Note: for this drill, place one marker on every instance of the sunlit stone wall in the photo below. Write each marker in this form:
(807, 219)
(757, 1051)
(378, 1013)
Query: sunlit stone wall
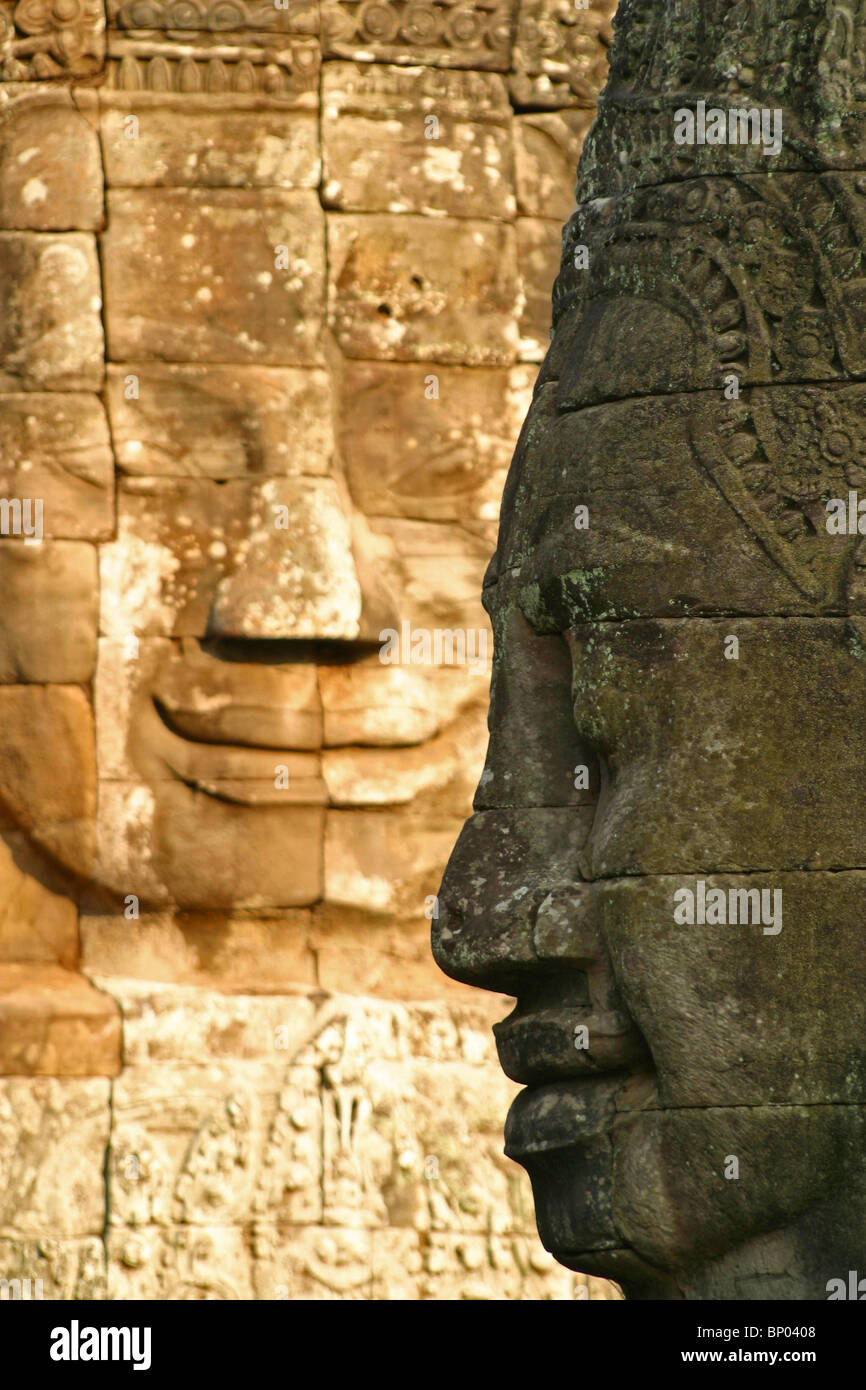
(276, 283)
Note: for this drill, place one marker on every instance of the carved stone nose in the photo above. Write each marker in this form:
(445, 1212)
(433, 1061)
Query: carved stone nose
(498, 906)
(302, 572)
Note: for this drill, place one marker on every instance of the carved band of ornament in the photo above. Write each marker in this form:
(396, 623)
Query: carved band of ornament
(144, 68)
(484, 24)
(215, 16)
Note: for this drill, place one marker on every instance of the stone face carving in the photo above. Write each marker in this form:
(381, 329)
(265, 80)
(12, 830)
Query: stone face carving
(665, 865)
(271, 326)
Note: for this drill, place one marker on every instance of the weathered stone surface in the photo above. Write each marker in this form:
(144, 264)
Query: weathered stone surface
(369, 865)
(56, 449)
(202, 16)
(38, 920)
(394, 295)
(54, 1023)
(539, 246)
(739, 523)
(152, 1263)
(53, 1138)
(457, 430)
(434, 568)
(51, 336)
(50, 168)
(52, 798)
(216, 286)
(718, 730)
(268, 1139)
(547, 146)
(198, 844)
(768, 1143)
(261, 954)
(416, 140)
(48, 596)
(207, 142)
(219, 422)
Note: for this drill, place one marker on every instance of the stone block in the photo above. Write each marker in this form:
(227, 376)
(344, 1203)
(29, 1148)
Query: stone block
(273, 559)
(54, 1023)
(51, 336)
(372, 862)
(547, 146)
(50, 167)
(265, 954)
(207, 141)
(58, 1270)
(155, 1264)
(193, 846)
(560, 53)
(416, 140)
(38, 917)
(539, 247)
(457, 428)
(55, 449)
(469, 37)
(49, 600)
(395, 293)
(225, 275)
(47, 769)
(219, 422)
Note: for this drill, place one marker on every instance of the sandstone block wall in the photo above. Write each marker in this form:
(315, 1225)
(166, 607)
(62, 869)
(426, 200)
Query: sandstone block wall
(260, 262)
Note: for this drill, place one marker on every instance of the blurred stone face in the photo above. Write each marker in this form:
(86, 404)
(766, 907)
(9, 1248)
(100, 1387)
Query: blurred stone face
(264, 573)
(665, 861)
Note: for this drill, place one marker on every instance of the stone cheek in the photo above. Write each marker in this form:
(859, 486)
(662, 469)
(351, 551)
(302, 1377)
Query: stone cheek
(236, 269)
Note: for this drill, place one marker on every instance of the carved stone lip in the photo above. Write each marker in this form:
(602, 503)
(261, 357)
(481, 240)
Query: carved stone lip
(539, 1048)
(559, 1115)
(252, 726)
(238, 773)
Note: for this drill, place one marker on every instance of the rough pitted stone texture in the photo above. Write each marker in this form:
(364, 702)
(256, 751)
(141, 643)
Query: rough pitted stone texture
(667, 870)
(202, 745)
(206, 142)
(416, 140)
(398, 294)
(51, 338)
(219, 422)
(194, 274)
(50, 168)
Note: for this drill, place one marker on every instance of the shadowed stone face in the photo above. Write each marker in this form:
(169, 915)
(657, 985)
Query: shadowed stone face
(666, 861)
